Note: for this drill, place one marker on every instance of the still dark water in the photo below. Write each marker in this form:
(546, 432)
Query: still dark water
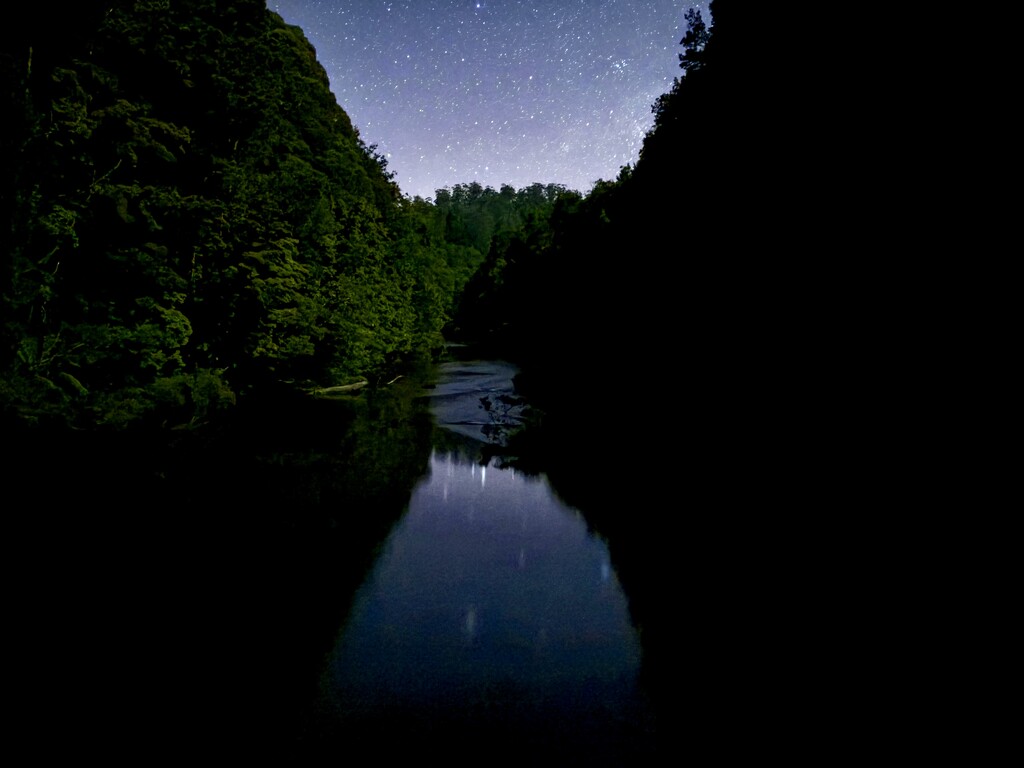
(327, 583)
(493, 618)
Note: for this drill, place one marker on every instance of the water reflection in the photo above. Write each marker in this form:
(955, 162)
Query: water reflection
(490, 607)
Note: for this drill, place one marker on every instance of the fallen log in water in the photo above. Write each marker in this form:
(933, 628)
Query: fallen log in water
(338, 390)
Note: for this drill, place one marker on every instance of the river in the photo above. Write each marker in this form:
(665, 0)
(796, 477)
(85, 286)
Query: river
(493, 619)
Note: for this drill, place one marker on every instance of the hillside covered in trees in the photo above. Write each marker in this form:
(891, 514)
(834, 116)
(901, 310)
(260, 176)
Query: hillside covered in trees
(191, 218)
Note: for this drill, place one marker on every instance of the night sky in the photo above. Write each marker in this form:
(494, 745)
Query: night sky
(497, 91)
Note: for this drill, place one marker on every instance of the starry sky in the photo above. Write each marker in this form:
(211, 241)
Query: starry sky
(497, 91)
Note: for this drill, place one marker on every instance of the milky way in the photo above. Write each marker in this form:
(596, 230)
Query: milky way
(497, 91)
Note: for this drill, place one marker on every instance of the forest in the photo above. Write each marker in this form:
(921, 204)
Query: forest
(190, 220)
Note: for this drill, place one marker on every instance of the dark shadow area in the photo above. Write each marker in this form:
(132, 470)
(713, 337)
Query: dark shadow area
(178, 596)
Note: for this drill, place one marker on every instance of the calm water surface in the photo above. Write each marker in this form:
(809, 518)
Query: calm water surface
(492, 611)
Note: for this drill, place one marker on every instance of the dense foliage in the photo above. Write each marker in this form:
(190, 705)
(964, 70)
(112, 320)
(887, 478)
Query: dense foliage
(190, 215)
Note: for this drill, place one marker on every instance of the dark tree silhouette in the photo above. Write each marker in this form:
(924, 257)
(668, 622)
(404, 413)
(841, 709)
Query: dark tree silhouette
(694, 41)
